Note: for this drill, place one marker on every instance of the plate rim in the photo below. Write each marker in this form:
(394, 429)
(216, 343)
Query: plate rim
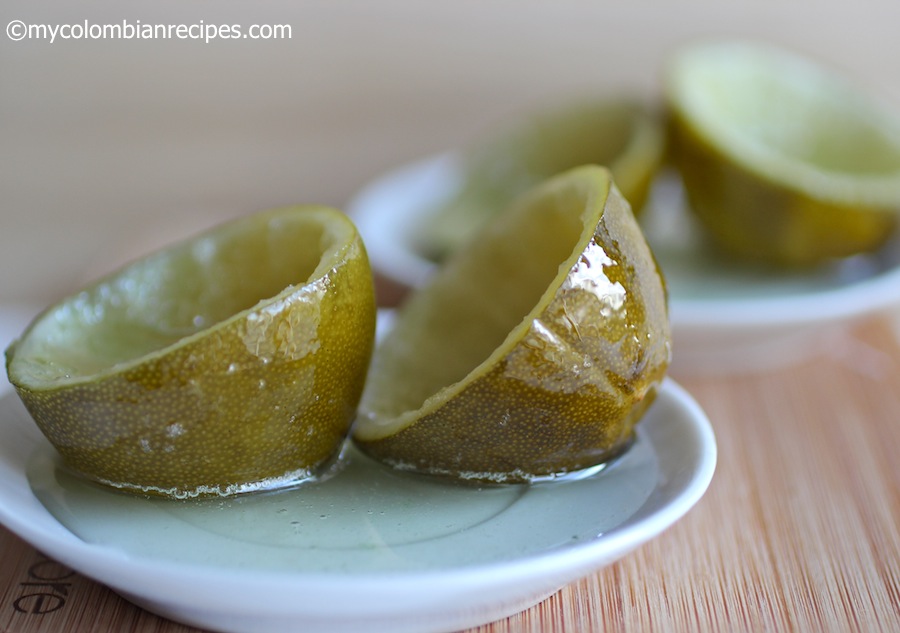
(880, 292)
(117, 569)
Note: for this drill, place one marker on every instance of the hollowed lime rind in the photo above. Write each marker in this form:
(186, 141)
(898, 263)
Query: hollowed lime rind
(783, 160)
(442, 297)
(127, 298)
(251, 392)
(789, 119)
(624, 134)
(521, 395)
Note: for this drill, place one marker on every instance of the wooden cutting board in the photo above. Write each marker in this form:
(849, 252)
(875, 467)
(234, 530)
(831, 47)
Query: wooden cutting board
(798, 531)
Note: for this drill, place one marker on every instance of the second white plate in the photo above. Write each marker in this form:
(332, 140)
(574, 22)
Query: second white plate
(723, 317)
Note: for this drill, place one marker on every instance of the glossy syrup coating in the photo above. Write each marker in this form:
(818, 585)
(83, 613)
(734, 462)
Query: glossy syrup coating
(262, 398)
(573, 371)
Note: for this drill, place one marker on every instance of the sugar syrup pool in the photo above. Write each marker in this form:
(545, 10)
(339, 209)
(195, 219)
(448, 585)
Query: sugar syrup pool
(366, 518)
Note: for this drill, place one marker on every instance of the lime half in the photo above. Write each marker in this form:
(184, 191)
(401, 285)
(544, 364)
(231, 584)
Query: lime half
(784, 161)
(622, 134)
(532, 352)
(231, 362)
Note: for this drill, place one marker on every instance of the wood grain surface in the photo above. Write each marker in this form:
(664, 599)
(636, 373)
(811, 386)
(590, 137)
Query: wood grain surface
(798, 531)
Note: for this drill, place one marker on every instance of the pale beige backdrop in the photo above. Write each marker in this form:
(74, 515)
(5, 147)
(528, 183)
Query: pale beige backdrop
(110, 148)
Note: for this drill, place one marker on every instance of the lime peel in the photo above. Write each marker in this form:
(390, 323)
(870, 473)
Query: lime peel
(230, 362)
(623, 134)
(784, 161)
(743, 75)
(509, 365)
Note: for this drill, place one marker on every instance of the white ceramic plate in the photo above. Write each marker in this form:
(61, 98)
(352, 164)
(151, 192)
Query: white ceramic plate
(723, 317)
(369, 549)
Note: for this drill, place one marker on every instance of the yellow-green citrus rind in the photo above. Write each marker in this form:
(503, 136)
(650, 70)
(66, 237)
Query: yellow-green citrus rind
(228, 363)
(532, 352)
(784, 162)
(623, 134)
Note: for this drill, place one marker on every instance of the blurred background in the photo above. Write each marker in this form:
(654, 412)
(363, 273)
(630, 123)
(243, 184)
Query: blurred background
(111, 148)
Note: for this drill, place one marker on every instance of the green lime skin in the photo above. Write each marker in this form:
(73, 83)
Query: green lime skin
(229, 363)
(748, 217)
(534, 351)
(621, 133)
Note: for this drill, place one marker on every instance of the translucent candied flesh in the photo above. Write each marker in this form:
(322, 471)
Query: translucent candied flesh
(171, 295)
